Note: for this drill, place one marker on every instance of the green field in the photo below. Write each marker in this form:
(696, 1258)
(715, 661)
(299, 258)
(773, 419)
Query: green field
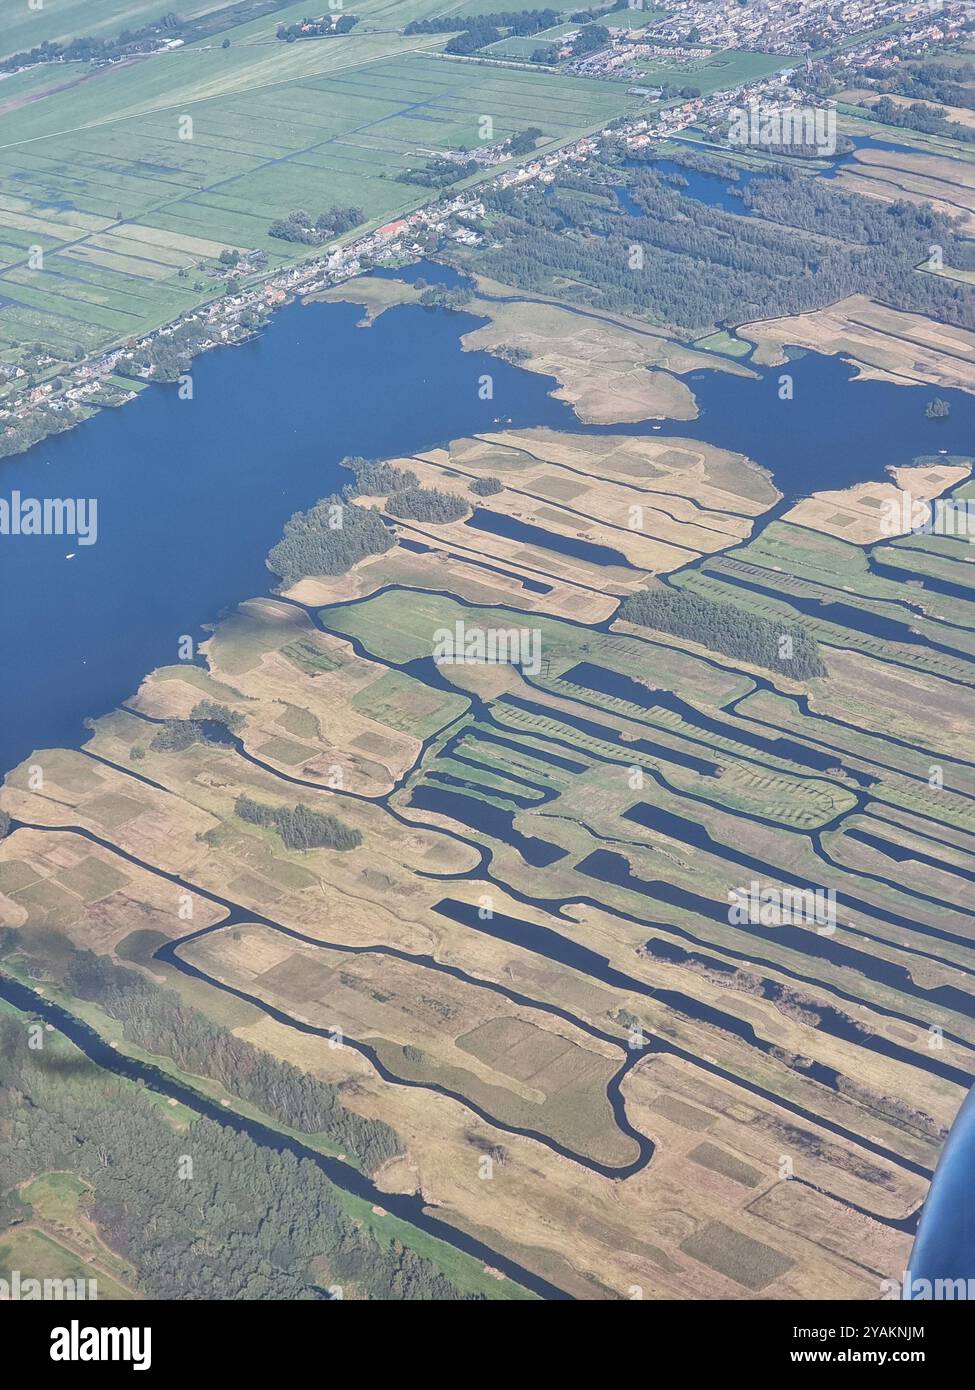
(635, 17)
(725, 343)
(57, 20)
(722, 70)
(131, 216)
(131, 179)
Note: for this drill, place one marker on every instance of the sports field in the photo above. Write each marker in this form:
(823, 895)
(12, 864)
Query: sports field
(728, 69)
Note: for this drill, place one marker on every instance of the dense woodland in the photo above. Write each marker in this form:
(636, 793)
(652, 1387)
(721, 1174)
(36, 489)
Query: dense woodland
(299, 826)
(722, 627)
(374, 479)
(692, 267)
(427, 504)
(487, 487)
(328, 539)
(947, 84)
(159, 1021)
(250, 1223)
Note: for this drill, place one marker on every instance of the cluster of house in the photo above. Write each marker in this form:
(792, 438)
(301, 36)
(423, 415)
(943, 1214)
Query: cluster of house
(230, 319)
(779, 26)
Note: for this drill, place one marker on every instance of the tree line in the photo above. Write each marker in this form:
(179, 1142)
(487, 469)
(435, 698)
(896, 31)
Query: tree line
(519, 22)
(251, 1222)
(299, 826)
(427, 504)
(725, 628)
(88, 49)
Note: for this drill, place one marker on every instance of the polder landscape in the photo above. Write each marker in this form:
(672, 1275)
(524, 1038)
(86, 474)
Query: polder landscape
(492, 817)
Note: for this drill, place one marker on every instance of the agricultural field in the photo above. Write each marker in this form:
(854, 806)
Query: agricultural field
(130, 180)
(58, 1240)
(26, 26)
(528, 952)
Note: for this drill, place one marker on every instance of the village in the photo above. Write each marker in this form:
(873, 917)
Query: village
(37, 409)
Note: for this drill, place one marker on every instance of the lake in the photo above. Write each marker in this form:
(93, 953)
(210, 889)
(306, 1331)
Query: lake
(192, 494)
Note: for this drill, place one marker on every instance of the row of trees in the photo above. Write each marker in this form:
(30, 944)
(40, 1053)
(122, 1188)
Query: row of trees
(160, 1021)
(723, 627)
(587, 16)
(299, 826)
(301, 227)
(250, 1223)
(427, 504)
(518, 22)
(87, 49)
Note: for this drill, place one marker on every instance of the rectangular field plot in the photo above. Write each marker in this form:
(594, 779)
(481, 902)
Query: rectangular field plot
(125, 210)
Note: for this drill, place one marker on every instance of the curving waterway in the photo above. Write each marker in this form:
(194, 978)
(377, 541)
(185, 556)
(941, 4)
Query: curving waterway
(191, 496)
(344, 1175)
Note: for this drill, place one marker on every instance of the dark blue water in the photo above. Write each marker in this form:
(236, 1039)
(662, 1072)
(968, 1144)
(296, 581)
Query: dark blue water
(501, 524)
(719, 191)
(714, 189)
(489, 819)
(831, 431)
(431, 271)
(192, 494)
